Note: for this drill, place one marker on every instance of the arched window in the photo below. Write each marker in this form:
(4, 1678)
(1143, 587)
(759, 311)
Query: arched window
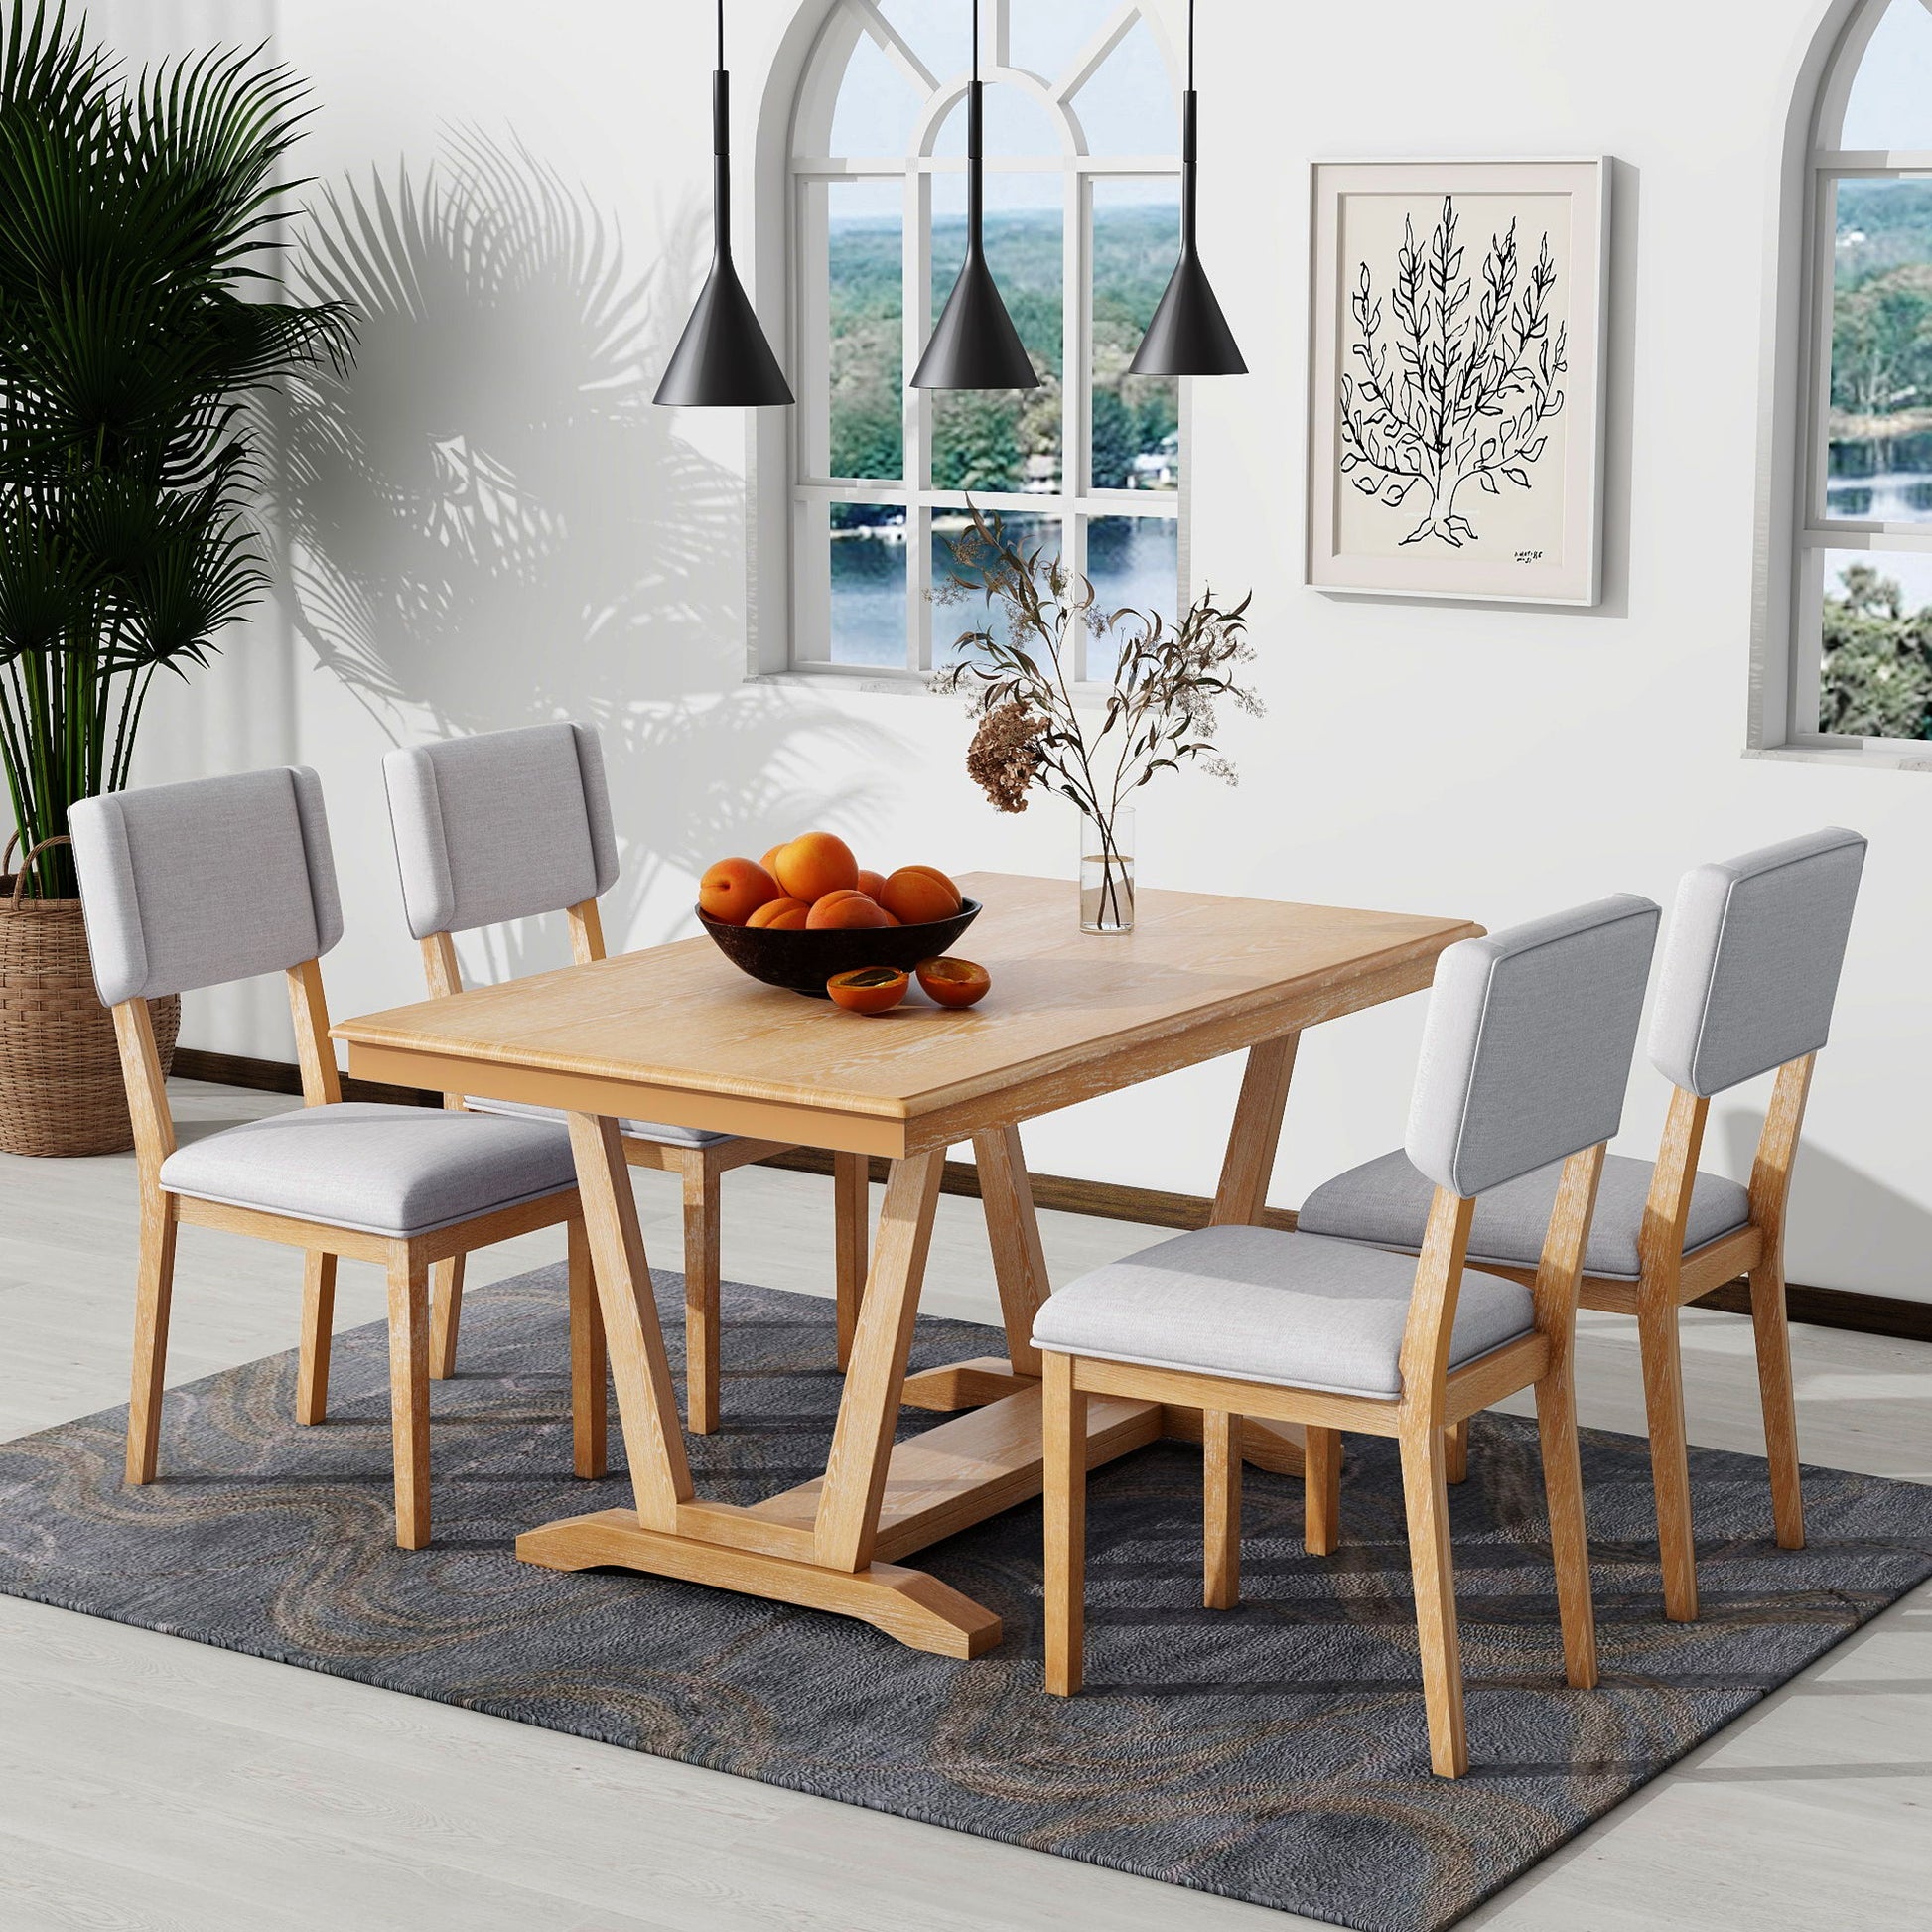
(1861, 597)
(1083, 227)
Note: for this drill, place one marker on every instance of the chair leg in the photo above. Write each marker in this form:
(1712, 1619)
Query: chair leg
(318, 1333)
(1670, 1463)
(588, 1372)
(1455, 1451)
(154, 1294)
(409, 1394)
(1773, 1334)
(1220, 1509)
(851, 1209)
(701, 1268)
(1321, 1490)
(1563, 1489)
(1425, 1492)
(447, 1284)
(1063, 1425)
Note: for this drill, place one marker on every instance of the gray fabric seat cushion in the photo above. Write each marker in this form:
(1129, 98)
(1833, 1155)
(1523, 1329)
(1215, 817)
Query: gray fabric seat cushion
(1268, 1307)
(640, 1130)
(1386, 1202)
(378, 1170)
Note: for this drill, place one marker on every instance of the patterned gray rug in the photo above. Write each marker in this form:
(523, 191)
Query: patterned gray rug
(1275, 1754)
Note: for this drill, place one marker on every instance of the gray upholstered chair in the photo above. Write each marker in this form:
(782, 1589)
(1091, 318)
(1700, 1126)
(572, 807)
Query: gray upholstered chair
(510, 825)
(1525, 1060)
(1749, 978)
(195, 885)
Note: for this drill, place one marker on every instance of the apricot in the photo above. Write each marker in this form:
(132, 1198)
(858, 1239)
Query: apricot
(770, 860)
(734, 889)
(869, 989)
(817, 863)
(954, 982)
(918, 894)
(784, 915)
(872, 884)
(839, 911)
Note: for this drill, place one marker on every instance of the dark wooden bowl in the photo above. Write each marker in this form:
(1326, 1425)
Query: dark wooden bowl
(804, 961)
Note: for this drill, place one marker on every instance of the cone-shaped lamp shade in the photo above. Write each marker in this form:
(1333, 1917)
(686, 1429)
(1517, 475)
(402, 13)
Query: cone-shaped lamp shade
(1189, 335)
(721, 360)
(976, 345)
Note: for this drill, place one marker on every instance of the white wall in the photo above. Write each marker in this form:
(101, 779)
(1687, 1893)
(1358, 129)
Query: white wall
(510, 544)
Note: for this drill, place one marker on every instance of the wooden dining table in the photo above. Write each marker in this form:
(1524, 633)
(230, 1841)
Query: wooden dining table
(675, 1034)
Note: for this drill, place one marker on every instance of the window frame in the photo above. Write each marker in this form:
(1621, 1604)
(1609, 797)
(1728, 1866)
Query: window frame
(811, 490)
(1787, 686)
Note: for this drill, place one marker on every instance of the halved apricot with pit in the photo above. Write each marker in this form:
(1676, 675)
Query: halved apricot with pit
(868, 989)
(954, 982)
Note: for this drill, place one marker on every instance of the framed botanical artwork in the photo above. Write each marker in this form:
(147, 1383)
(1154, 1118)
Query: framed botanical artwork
(1456, 378)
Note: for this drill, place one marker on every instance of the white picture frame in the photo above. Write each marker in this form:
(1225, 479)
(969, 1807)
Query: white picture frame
(1466, 462)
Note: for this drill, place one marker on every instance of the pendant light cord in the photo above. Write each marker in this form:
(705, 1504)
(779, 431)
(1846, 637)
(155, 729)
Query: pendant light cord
(1190, 40)
(721, 35)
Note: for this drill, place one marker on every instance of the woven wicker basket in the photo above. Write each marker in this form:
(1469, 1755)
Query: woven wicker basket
(60, 1088)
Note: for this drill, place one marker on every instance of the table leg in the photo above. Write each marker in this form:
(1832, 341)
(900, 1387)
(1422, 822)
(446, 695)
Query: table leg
(654, 1443)
(1013, 1228)
(830, 1544)
(861, 1443)
(1249, 1164)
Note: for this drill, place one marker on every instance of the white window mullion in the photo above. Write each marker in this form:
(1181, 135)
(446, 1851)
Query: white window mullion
(1077, 384)
(814, 334)
(918, 303)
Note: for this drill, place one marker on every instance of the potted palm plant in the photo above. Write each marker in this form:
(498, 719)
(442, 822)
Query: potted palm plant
(141, 319)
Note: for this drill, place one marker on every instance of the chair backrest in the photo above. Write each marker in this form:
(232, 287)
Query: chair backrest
(1752, 964)
(1527, 1048)
(192, 885)
(500, 826)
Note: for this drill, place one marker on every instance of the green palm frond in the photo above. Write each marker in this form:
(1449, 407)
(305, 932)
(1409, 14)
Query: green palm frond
(141, 315)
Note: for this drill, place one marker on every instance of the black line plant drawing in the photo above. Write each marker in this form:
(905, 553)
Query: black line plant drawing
(1451, 396)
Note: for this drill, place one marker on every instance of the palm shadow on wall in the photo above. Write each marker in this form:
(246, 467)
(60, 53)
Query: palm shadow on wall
(490, 523)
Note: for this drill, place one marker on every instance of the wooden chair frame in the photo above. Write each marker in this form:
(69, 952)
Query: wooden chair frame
(699, 1170)
(1669, 1277)
(408, 1261)
(1433, 1397)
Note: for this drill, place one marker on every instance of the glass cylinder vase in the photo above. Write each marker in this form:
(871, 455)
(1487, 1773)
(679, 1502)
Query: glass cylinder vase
(1107, 872)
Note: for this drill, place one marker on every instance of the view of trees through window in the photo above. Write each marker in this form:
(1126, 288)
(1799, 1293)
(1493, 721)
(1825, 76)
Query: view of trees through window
(1873, 420)
(996, 439)
(1877, 667)
(1082, 128)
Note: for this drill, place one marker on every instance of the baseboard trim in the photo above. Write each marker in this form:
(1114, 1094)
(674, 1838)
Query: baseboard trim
(1825, 1307)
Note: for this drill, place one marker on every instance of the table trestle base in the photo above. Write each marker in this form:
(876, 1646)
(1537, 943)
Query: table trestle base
(988, 1379)
(907, 1604)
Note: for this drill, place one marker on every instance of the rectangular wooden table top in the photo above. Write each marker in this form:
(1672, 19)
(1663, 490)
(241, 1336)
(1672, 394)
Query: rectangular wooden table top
(676, 1034)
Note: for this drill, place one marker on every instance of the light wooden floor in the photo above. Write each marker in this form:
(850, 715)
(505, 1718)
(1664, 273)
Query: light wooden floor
(153, 1784)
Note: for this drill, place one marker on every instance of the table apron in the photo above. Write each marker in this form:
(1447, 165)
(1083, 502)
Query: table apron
(765, 1120)
(1107, 1069)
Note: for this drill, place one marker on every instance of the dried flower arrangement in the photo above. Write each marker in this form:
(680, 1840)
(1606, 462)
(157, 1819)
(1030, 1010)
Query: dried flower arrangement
(1016, 670)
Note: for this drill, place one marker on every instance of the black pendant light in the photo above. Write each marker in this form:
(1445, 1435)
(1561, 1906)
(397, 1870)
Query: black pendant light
(721, 360)
(976, 345)
(1189, 335)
